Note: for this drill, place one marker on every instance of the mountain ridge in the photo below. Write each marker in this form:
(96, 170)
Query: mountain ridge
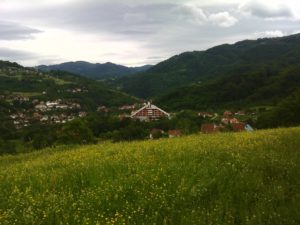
(201, 66)
(96, 71)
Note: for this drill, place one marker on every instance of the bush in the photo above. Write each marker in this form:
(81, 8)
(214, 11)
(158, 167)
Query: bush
(76, 132)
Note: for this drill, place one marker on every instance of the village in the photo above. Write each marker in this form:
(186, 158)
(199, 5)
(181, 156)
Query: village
(41, 108)
(60, 111)
(213, 121)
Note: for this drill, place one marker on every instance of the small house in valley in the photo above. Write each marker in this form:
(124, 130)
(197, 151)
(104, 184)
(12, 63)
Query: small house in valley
(149, 112)
(227, 114)
(209, 128)
(174, 133)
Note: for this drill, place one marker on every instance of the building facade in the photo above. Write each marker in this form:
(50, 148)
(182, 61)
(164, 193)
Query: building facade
(149, 112)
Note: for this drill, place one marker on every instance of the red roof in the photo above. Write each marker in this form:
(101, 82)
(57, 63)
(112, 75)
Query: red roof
(227, 113)
(174, 133)
(148, 112)
(209, 128)
(238, 127)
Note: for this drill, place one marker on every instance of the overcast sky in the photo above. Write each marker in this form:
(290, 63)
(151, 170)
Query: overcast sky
(134, 32)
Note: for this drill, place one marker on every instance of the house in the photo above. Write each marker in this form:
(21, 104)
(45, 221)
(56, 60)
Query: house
(41, 107)
(149, 112)
(44, 119)
(205, 114)
(62, 106)
(240, 113)
(238, 127)
(82, 114)
(174, 133)
(234, 120)
(37, 116)
(102, 109)
(127, 107)
(229, 121)
(209, 128)
(14, 116)
(248, 128)
(50, 104)
(227, 114)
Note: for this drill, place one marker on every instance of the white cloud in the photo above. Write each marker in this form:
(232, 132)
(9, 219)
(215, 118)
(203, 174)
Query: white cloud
(194, 13)
(269, 34)
(223, 19)
(267, 10)
(296, 32)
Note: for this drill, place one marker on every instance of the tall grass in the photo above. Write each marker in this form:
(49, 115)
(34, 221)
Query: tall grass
(245, 178)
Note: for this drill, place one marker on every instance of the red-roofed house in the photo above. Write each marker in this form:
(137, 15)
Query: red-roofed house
(238, 127)
(174, 133)
(209, 128)
(149, 112)
(227, 114)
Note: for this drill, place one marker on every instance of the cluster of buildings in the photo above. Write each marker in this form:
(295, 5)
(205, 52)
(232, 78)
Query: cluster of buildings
(12, 71)
(43, 112)
(77, 90)
(228, 122)
(59, 111)
(21, 120)
(56, 105)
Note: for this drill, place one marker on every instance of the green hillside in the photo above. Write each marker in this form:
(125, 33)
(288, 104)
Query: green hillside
(244, 178)
(245, 57)
(263, 85)
(21, 81)
(36, 109)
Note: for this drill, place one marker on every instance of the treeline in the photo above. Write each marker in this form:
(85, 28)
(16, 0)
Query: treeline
(93, 129)
(285, 114)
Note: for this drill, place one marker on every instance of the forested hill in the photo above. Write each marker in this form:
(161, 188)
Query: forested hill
(263, 85)
(20, 82)
(245, 57)
(96, 71)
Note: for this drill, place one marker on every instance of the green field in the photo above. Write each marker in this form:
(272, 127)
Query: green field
(244, 178)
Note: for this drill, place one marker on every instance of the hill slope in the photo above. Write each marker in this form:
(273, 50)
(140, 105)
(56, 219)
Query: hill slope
(263, 85)
(16, 80)
(96, 71)
(245, 178)
(201, 66)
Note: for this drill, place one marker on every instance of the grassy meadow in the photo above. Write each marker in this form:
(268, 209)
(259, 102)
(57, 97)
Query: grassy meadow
(228, 178)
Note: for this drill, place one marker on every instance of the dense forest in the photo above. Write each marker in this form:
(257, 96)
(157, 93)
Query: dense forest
(263, 85)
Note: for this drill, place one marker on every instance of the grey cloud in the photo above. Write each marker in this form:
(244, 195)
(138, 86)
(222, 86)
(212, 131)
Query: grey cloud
(128, 19)
(14, 31)
(268, 12)
(13, 54)
(160, 29)
(163, 29)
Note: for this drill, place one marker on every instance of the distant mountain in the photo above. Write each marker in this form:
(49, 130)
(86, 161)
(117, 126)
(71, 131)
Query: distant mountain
(96, 71)
(202, 66)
